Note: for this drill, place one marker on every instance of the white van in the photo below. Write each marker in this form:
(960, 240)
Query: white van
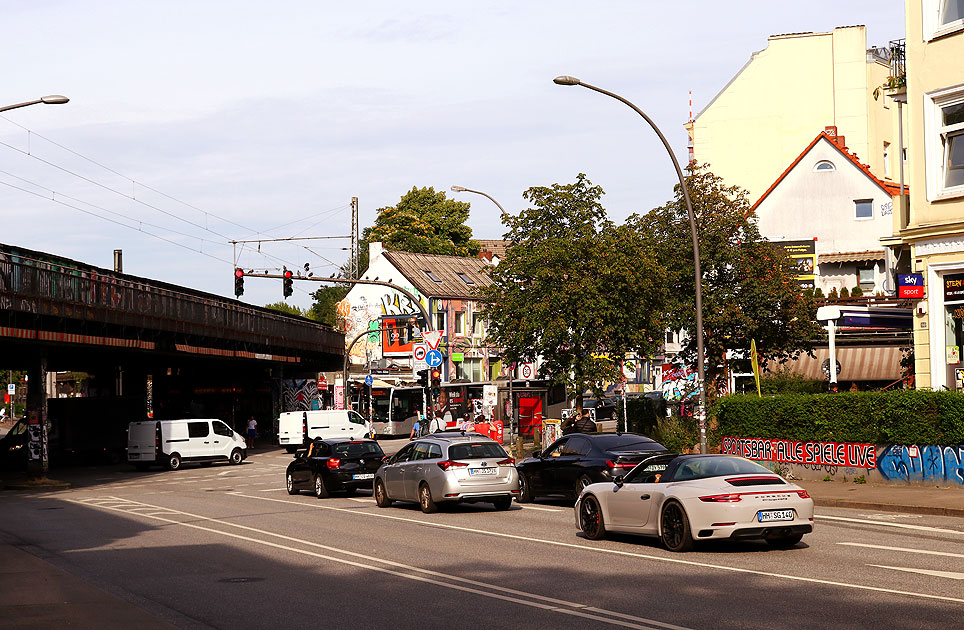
(172, 442)
(297, 428)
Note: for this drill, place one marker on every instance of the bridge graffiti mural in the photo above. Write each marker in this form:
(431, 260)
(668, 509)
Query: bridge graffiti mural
(898, 462)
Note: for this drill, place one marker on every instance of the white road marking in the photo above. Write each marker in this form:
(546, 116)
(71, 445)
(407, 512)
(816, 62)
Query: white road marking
(542, 509)
(361, 500)
(921, 551)
(271, 490)
(437, 578)
(226, 472)
(924, 528)
(616, 552)
(944, 574)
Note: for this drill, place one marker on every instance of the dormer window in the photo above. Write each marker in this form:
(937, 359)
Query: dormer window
(465, 278)
(431, 276)
(824, 166)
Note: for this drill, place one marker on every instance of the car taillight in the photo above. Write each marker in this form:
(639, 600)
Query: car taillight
(803, 494)
(722, 498)
(448, 463)
(507, 462)
(334, 462)
(611, 464)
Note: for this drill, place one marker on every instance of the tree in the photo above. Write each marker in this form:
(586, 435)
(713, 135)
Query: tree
(574, 290)
(749, 285)
(284, 307)
(326, 300)
(423, 222)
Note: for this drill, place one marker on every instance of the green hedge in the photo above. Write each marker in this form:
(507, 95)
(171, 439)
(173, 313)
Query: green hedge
(901, 417)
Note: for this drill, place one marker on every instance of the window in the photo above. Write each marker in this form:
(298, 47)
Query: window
(951, 11)
(460, 322)
(865, 278)
(355, 418)
(440, 321)
(824, 166)
(944, 142)
(222, 429)
(431, 276)
(476, 324)
(481, 450)
(579, 446)
(941, 17)
(465, 278)
(864, 209)
(197, 429)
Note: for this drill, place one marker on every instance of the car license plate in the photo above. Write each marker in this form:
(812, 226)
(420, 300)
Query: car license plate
(767, 516)
(482, 471)
(364, 476)
(133, 456)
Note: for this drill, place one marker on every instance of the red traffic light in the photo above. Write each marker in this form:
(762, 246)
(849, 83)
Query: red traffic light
(239, 273)
(436, 373)
(288, 273)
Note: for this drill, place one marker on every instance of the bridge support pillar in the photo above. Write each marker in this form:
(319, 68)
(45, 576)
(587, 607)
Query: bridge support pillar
(38, 428)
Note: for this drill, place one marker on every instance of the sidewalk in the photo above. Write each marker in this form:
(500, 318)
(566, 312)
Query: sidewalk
(918, 499)
(36, 594)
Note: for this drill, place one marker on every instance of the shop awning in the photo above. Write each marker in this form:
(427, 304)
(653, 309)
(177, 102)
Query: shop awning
(857, 363)
(842, 257)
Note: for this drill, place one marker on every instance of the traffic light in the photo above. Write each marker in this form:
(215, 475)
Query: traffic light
(238, 282)
(436, 381)
(423, 378)
(288, 288)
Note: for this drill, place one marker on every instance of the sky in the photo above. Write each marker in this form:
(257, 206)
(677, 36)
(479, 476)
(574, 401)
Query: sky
(192, 124)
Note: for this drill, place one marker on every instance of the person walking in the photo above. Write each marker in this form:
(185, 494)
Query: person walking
(416, 427)
(252, 432)
(584, 423)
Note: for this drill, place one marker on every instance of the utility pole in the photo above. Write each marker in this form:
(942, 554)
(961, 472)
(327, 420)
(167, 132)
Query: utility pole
(355, 271)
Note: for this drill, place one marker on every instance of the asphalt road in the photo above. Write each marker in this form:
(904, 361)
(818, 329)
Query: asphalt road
(227, 547)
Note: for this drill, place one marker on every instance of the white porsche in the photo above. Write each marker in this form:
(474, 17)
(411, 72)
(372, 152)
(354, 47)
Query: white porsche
(687, 498)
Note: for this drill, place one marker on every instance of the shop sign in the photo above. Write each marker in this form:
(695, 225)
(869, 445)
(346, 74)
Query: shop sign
(910, 285)
(954, 287)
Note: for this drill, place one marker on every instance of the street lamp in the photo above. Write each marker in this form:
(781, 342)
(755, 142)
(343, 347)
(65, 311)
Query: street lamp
(479, 192)
(701, 411)
(54, 99)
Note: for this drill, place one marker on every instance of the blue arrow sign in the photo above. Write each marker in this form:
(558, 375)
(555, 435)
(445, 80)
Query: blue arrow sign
(433, 358)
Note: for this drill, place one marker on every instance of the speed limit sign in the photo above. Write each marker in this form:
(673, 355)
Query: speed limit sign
(528, 370)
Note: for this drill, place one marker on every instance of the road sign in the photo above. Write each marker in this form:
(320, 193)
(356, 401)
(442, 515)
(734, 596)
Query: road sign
(432, 338)
(12, 389)
(458, 357)
(419, 350)
(369, 380)
(528, 370)
(433, 358)
(322, 382)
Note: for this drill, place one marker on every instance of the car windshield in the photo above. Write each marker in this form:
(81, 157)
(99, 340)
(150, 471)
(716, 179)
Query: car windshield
(476, 450)
(718, 466)
(356, 449)
(627, 443)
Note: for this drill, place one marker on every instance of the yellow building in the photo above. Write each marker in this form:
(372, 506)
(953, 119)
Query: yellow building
(934, 225)
(788, 93)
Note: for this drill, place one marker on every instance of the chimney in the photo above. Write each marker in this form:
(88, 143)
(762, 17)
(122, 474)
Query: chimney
(374, 251)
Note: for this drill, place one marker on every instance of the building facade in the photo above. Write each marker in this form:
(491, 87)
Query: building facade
(933, 227)
(785, 95)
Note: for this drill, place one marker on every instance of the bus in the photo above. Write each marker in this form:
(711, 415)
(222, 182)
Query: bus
(394, 409)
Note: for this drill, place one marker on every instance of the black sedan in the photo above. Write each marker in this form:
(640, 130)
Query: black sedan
(574, 461)
(334, 464)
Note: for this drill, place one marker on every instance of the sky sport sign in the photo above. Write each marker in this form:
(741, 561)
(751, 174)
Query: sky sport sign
(818, 453)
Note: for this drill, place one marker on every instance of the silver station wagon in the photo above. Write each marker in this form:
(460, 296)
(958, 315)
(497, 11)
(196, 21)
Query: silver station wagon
(448, 467)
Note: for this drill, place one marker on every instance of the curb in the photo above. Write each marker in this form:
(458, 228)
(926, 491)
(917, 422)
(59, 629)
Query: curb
(40, 485)
(890, 507)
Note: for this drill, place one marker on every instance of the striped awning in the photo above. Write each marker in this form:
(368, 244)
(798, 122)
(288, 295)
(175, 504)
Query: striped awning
(841, 257)
(857, 363)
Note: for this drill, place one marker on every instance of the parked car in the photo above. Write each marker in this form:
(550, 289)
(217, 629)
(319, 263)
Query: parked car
(296, 429)
(686, 498)
(574, 461)
(173, 442)
(448, 467)
(334, 464)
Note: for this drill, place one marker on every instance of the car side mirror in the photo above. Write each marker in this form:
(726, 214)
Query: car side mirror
(537, 454)
(618, 480)
(385, 458)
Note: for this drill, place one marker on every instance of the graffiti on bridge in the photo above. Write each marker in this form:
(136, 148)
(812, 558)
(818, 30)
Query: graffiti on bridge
(898, 462)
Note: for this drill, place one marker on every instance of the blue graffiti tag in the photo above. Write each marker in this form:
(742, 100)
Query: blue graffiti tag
(899, 462)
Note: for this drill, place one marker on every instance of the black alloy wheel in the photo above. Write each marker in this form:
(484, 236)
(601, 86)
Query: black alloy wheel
(581, 484)
(675, 528)
(591, 518)
(525, 490)
(321, 490)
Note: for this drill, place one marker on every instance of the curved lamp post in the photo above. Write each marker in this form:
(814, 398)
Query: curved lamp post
(53, 99)
(479, 192)
(701, 412)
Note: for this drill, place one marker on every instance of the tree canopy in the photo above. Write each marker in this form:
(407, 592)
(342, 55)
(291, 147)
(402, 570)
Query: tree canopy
(574, 289)
(749, 286)
(289, 309)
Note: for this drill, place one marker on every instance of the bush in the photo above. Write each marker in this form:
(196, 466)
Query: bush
(676, 433)
(902, 417)
(785, 382)
(856, 292)
(642, 415)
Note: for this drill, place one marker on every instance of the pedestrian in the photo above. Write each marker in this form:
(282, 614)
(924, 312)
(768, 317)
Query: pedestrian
(416, 427)
(252, 432)
(568, 423)
(584, 423)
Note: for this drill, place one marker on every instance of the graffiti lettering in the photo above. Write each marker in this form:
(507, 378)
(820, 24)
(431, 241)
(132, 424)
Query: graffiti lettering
(898, 462)
(817, 453)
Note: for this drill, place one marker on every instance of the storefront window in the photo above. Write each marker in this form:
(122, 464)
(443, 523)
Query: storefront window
(953, 328)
